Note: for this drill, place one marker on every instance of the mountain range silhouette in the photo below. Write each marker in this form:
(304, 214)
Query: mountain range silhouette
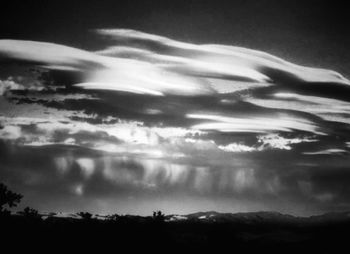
(201, 231)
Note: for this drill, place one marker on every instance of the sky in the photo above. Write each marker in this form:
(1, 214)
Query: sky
(135, 106)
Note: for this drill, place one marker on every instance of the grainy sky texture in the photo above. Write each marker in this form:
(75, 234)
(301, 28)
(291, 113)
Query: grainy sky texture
(129, 107)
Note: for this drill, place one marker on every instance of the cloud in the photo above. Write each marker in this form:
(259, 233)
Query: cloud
(75, 172)
(334, 151)
(149, 118)
(51, 55)
(100, 72)
(7, 85)
(254, 125)
(171, 68)
(234, 147)
(10, 132)
(241, 62)
(118, 138)
(279, 142)
(326, 108)
(246, 88)
(266, 142)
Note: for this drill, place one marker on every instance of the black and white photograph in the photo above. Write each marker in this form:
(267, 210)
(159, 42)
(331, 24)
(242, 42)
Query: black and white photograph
(198, 125)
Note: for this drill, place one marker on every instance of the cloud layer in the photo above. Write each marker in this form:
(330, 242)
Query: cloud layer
(150, 120)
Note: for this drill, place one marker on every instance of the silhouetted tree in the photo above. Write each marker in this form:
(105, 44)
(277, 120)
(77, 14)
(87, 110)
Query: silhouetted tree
(85, 215)
(30, 213)
(8, 198)
(113, 217)
(158, 216)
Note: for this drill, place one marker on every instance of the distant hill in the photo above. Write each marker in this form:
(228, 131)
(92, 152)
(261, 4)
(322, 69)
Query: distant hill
(259, 217)
(248, 218)
(202, 231)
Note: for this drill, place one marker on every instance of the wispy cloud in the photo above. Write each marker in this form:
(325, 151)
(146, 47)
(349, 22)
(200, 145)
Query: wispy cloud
(148, 116)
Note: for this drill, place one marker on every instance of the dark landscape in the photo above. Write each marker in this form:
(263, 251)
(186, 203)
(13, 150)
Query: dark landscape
(233, 232)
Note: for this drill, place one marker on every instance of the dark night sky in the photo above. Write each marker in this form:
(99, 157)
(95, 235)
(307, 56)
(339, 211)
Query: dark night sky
(130, 121)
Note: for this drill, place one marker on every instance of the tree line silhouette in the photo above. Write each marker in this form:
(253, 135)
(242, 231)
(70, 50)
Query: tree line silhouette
(158, 231)
(10, 199)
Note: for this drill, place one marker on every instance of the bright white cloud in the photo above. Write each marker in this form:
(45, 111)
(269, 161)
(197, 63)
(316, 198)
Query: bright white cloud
(6, 85)
(241, 62)
(326, 108)
(158, 74)
(254, 124)
(331, 151)
(10, 132)
(234, 147)
(278, 142)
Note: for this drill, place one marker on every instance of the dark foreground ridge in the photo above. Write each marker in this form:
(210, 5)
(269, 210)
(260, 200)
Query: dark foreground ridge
(199, 231)
(203, 231)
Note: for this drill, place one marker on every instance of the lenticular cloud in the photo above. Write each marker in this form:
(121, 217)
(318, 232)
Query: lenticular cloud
(142, 63)
(250, 91)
